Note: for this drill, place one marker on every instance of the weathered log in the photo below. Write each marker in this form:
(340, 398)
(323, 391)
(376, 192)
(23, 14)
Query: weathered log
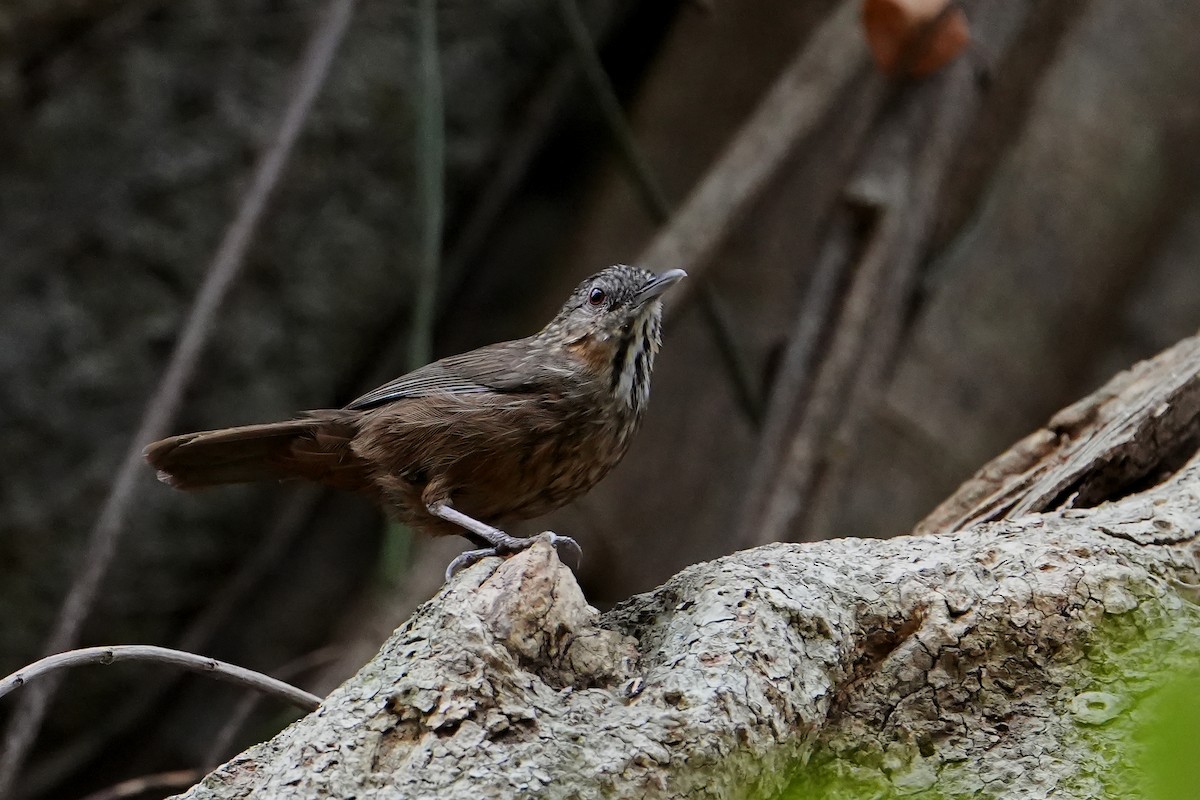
(1013, 656)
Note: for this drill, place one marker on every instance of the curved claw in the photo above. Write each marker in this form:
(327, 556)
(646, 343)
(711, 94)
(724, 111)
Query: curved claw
(568, 544)
(466, 559)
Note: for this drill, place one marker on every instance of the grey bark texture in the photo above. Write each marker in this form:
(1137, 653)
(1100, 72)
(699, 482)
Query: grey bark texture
(1009, 658)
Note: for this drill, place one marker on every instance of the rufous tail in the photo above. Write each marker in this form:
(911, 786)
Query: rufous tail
(315, 448)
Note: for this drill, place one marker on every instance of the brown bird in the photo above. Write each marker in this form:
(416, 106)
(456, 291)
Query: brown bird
(509, 431)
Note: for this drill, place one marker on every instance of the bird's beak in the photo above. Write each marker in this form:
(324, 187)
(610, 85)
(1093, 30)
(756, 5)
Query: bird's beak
(658, 284)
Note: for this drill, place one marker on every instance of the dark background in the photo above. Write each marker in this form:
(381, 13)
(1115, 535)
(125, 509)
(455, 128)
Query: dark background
(1056, 241)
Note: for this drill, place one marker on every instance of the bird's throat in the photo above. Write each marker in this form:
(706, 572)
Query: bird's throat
(623, 358)
(632, 362)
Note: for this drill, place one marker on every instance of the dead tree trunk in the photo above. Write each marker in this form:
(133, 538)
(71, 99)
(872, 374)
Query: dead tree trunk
(1009, 656)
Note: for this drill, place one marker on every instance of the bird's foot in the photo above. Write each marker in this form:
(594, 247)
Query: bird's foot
(507, 545)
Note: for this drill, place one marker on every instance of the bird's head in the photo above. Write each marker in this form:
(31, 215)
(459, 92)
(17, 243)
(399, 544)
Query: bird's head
(613, 321)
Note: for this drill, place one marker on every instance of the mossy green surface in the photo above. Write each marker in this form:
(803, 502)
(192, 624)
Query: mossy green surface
(828, 777)
(1149, 663)
(1170, 759)
(1135, 728)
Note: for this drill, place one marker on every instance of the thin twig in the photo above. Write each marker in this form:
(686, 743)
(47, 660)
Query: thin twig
(609, 104)
(298, 507)
(791, 483)
(158, 782)
(430, 168)
(791, 388)
(161, 655)
(162, 407)
(903, 190)
(956, 106)
(638, 168)
(790, 112)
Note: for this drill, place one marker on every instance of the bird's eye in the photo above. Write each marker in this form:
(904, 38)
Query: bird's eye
(597, 296)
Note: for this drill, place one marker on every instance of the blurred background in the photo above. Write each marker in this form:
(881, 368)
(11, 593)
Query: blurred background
(893, 278)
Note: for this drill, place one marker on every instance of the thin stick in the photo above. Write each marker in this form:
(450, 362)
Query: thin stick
(792, 110)
(297, 507)
(162, 407)
(794, 383)
(162, 655)
(902, 192)
(791, 485)
(610, 109)
(430, 161)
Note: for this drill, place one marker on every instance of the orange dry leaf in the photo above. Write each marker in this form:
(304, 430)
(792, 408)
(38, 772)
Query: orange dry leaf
(914, 37)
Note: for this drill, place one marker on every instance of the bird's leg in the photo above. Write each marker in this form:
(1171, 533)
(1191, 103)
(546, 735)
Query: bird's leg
(476, 531)
(499, 543)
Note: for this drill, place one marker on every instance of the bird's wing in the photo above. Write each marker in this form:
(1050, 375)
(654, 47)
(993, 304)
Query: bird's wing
(503, 368)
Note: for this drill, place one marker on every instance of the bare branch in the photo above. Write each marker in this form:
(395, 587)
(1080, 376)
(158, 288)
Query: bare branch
(791, 111)
(298, 506)
(609, 104)
(161, 655)
(793, 384)
(164, 404)
(899, 185)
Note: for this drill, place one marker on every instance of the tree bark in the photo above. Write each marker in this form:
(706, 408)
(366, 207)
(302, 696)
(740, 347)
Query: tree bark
(1012, 656)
